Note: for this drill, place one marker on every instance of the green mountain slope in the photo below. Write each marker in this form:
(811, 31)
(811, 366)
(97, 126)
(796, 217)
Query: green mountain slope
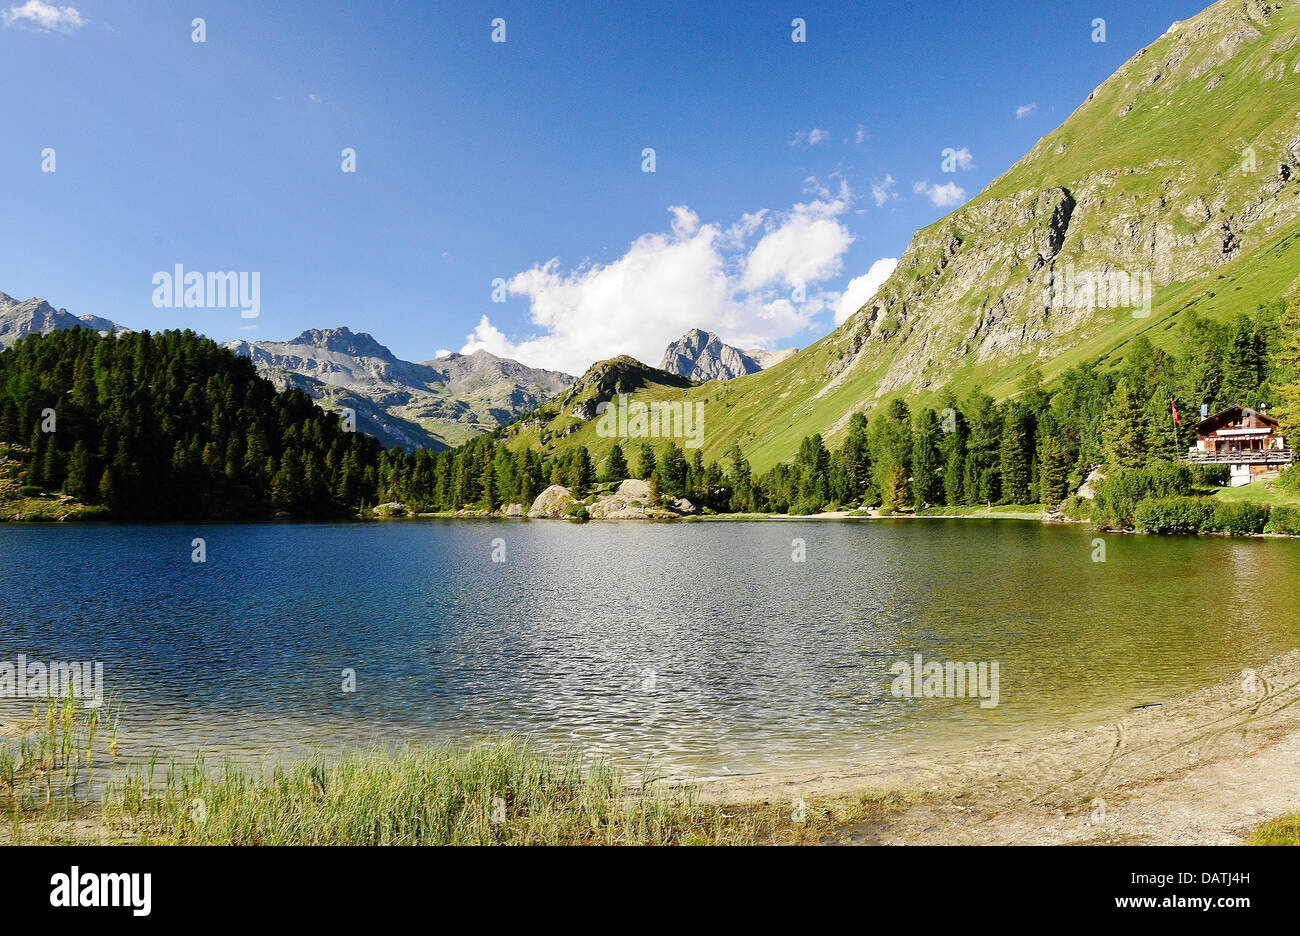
(1178, 172)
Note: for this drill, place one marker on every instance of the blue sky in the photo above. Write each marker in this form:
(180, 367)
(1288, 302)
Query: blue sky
(771, 197)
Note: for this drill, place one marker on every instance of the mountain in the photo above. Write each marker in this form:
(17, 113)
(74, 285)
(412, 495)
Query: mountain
(701, 355)
(38, 317)
(1179, 171)
(435, 404)
(575, 409)
(606, 379)
(766, 359)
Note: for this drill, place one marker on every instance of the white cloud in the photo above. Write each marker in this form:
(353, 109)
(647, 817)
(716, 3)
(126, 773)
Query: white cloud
(883, 191)
(38, 16)
(746, 226)
(812, 137)
(441, 353)
(965, 161)
(862, 288)
(1024, 110)
(941, 196)
(805, 247)
(740, 281)
(860, 136)
(685, 221)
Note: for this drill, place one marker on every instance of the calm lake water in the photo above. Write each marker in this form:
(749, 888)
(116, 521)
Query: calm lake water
(702, 648)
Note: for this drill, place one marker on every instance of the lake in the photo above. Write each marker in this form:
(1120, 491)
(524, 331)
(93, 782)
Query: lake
(703, 648)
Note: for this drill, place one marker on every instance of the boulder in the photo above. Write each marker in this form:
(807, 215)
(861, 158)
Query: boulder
(514, 510)
(552, 503)
(614, 507)
(634, 489)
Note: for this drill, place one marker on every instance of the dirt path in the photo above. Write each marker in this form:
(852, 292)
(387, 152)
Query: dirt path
(1205, 769)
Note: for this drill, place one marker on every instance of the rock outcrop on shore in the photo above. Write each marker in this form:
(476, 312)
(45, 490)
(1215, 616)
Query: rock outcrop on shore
(553, 503)
(630, 500)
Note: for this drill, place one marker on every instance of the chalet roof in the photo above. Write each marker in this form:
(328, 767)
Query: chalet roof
(1233, 414)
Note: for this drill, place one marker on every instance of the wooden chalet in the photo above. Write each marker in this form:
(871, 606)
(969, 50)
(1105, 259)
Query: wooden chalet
(1245, 439)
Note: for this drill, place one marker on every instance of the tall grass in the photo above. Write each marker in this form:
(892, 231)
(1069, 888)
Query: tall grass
(502, 793)
(507, 792)
(46, 772)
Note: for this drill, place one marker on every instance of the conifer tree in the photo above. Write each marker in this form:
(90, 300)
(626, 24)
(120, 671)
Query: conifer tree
(645, 461)
(927, 477)
(1017, 453)
(78, 484)
(1288, 411)
(896, 491)
(1124, 430)
(615, 467)
(1053, 472)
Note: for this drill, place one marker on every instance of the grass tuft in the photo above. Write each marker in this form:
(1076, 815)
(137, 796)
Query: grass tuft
(1283, 831)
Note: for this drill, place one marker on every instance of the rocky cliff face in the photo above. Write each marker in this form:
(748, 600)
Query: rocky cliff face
(1183, 162)
(436, 403)
(38, 317)
(702, 355)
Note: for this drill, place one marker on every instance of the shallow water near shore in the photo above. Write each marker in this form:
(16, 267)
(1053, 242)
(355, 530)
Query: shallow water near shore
(701, 648)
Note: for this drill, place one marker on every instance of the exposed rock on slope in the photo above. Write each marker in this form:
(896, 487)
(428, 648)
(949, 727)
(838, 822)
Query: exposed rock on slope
(38, 317)
(702, 355)
(766, 359)
(1184, 160)
(606, 379)
(431, 403)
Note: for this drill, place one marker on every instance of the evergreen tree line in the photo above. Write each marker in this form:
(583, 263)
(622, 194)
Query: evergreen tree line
(1034, 448)
(173, 426)
(1039, 446)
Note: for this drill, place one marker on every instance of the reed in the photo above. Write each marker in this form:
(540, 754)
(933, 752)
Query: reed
(47, 770)
(60, 783)
(507, 792)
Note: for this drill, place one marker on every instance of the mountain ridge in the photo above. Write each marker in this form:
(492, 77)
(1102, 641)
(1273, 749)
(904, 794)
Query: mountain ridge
(437, 404)
(36, 316)
(701, 355)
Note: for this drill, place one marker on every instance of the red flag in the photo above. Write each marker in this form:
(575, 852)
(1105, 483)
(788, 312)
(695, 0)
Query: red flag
(1174, 407)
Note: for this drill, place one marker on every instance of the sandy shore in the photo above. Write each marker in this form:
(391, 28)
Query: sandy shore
(1205, 769)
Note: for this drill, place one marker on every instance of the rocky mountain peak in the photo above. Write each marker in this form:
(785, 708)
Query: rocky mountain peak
(701, 355)
(37, 317)
(343, 341)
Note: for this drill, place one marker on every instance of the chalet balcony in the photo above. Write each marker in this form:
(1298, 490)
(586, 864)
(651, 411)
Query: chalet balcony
(1243, 457)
